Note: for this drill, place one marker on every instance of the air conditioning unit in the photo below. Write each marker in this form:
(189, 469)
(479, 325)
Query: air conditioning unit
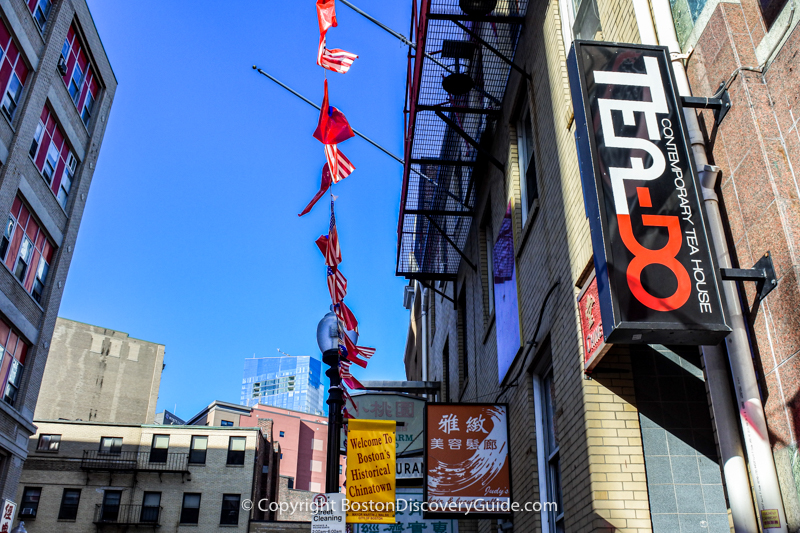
(62, 65)
(28, 511)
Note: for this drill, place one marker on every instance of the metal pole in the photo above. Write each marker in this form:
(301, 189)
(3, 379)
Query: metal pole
(751, 411)
(335, 404)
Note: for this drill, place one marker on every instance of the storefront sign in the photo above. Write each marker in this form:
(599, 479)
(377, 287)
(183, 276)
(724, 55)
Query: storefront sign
(409, 518)
(9, 509)
(397, 407)
(656, 275)
(467, 464)
(371, 471)
(594, 344)
(328, 513)
(409, 468)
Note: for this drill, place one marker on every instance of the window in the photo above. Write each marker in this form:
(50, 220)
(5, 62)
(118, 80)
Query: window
(69, 504)
(12, 351)
(111, 445)
(79, 76)
(66, 181)
(340, 470)
(40, 9)
(159, 449)
(109, 511)
(290, 482)
(463, 374)
(52, 156)
(190, 511)
(197, 453)
(230, 509)
(226, 423)
(151, 507)
(281, 434)
(30, 502)
(527, 163)
(547, 445)
(13, 73)
(48, 443)
(236, 451)
(29, 246)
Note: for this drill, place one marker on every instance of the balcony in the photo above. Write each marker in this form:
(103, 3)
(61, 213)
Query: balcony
(156, 461)
(128, 515)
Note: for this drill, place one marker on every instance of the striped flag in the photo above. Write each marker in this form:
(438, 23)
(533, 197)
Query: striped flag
(337, 284)
(347, 377)
(349, 351)
(365, 352)
(323, 187)
(336, 60)
(346, 316)
(340, 166)
(333, 254)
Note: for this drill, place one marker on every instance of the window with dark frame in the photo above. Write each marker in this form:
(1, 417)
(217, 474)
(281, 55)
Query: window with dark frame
(190, 510)
(53, 157)
(487, 249)
(548, 441)
(70, 499)
(30, 502)
(79, 76)
(236, 447)
(111, 445)
(198, 450)
(109, 511)
(281, 434)
(463, 374)
(30, 250)
(159, 451)
(230, 509)
(48, 443)
(226, 423)
(151, 508)
(527, 161)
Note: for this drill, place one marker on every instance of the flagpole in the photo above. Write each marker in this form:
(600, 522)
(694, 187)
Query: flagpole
(373, 143)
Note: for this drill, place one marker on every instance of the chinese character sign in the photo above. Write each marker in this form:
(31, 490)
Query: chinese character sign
(656, 274)
(410, 519)
(7, 517)
(467, 456)
(371, 471)
(393, 406)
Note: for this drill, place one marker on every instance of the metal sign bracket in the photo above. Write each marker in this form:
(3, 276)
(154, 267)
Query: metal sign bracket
(763, 273)
(721, 105)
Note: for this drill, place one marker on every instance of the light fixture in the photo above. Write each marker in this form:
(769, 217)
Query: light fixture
(477, 7)
(458, 82)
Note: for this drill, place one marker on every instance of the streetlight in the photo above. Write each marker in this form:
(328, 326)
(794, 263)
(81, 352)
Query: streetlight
(328, 342)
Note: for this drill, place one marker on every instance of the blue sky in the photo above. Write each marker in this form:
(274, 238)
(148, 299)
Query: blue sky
(190, 236)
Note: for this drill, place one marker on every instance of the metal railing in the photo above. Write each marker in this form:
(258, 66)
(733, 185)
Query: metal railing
(127, 514)
(135, 461)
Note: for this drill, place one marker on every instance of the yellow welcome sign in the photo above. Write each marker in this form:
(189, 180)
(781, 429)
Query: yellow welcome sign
(371, 471)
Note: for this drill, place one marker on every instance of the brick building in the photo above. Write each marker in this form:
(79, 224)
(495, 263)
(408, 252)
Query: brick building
(87, 476)
(112, 378)
(303, 438)
(494, 236)
(58, 88)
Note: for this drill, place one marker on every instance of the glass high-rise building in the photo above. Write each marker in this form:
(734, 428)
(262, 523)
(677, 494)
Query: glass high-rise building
(290, 382)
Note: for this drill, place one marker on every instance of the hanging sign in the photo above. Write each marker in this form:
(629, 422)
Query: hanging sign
(328, 514)
(371, 471)
(467, 465)
(656, 274)
(594, 344)
(8, 511)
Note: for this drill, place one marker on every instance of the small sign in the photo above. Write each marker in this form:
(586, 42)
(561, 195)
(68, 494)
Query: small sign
(409, 514)
(467, 464)
(8, 513)
(371, 467)
(770, 518)
(594, 344)
(397, 407)
(409, 468)
(328, 513)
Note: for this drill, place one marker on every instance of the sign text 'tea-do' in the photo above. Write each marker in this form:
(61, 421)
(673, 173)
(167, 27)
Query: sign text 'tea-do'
(656, 274)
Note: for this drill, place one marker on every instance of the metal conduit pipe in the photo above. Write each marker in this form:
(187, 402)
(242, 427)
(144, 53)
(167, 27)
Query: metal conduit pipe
(734, 465)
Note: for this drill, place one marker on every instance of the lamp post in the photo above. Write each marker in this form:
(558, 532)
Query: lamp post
(328, 341)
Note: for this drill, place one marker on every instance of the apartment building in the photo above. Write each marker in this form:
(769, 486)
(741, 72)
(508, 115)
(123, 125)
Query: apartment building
(57, 90)
(94, 476)
(303, 439)
(494, 236)
(112, 377)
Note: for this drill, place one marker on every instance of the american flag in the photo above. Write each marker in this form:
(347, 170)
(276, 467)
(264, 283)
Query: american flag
(339, 165)
(346, 413)
(335, 59)
(347, 377)
(337, 284)
(350, 351)
(365, 352)
(346, 316)
(333, 254)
